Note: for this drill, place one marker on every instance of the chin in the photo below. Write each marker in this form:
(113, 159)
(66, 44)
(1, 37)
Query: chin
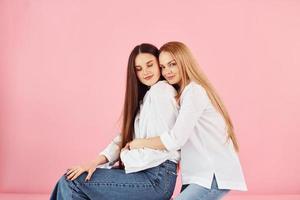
(149, 83)
(154, 81)
(172, 82)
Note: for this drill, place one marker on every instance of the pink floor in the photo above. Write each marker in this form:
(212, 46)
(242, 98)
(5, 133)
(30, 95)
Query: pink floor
(6, 196)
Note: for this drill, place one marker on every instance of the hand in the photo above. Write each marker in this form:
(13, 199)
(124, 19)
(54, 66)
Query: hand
(127, 147)
(136, 144)
(74, 172)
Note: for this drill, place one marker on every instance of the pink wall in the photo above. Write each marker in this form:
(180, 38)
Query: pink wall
(62, 75)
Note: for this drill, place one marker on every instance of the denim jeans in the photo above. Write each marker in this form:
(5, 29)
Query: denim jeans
(197, 192)
(156, 183)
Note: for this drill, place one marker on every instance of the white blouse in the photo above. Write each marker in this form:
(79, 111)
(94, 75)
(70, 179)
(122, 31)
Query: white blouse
(200, 132)
(157, 114)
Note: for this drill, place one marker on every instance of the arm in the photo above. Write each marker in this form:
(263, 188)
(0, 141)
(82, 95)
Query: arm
(152, 143)
(100, 160)
(166, 109)
(111, 152)
(194, 101)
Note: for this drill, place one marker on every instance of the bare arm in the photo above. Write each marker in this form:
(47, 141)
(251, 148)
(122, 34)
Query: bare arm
(192, 106)
(152, 143)
(100, 159)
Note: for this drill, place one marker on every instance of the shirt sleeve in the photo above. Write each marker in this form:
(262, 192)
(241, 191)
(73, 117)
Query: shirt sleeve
(112, 151)
(164, 105)
(193, 102)
(163, 111)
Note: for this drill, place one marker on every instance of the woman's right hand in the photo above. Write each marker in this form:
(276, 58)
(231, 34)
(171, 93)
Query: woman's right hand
(75, 171)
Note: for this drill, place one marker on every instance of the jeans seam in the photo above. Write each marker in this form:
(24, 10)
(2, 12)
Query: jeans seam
(167, 180)
(119, 184)
(217, 192)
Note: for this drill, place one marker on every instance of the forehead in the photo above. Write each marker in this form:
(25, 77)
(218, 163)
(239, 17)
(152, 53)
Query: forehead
(165, 57)
(143, 58)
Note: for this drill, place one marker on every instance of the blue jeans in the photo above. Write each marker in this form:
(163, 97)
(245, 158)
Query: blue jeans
(156, 183)
(197, 192)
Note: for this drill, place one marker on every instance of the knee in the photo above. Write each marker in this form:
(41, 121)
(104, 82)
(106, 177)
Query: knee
(62, 189)
(63, 182)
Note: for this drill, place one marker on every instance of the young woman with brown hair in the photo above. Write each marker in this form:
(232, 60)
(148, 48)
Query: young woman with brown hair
(149, 174)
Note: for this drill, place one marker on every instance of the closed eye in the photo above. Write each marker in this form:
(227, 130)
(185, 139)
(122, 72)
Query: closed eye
(138, 68)
(172, 64)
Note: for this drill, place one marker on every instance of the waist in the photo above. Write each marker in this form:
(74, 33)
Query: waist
(170, 165)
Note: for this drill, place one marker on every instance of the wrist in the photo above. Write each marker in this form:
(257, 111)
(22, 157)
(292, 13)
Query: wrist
(101, 159)
(142, 142)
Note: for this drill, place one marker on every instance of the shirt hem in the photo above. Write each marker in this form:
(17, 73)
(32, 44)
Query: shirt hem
(231, 185)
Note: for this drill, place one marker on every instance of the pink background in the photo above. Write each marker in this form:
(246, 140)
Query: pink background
(62, 76)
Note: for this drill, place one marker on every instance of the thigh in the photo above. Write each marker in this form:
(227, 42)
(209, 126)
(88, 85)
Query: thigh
(118, 176)
(183, 187)
(197, 192)
(192, 191)
(116, 184)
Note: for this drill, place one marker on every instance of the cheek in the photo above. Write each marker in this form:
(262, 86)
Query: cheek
(163, 72)
(156, 71)
(176, 70)
(139, 75)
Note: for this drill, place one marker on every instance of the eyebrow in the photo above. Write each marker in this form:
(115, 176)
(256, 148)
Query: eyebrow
(171, 61)
(149, 61)
(146, 63)
(168, 62)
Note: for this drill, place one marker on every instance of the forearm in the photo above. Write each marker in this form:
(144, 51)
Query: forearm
(111, 152)
(100, 159)
(152, 143)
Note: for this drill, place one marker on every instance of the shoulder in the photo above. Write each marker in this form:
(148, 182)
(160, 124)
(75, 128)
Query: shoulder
(163, 87)
(195, 90)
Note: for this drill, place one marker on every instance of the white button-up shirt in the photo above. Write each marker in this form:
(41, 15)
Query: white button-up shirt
(200, 132)
(157, 114)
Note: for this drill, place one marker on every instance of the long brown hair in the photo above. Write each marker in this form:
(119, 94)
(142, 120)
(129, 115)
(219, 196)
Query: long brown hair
(135, 92)
(190, 71)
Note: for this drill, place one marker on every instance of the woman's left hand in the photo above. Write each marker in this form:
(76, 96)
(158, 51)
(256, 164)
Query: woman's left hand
(127, 147)
(136, 144)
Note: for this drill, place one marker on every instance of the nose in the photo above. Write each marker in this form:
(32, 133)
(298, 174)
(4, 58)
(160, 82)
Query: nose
(167, 71)
(145, 71)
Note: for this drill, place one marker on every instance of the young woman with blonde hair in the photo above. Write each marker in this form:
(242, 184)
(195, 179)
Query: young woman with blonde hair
(203, 130)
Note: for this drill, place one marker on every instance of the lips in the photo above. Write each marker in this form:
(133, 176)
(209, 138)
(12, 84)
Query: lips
(148, 77)
(170, 77)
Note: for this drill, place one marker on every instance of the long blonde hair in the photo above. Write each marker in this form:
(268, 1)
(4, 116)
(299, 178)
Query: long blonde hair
(190, 71)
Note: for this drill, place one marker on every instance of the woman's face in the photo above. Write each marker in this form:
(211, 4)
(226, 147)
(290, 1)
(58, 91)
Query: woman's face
(169, 68)
(147, 69)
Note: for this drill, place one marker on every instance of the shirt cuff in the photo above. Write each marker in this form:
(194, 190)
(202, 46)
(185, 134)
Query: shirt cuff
(106, 155)
(111, 156)
(168, 141)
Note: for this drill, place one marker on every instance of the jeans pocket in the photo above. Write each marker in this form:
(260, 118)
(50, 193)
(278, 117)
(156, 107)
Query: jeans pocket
(169, 182)
(170, 172)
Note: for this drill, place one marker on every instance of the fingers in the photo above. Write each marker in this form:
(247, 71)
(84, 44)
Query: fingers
(90, 173)
(77, 174)
(127, 146)
(73, 173)
(69, 171)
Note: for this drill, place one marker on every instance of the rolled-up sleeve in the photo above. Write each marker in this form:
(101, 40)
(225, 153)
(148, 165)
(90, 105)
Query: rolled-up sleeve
(193, 102)
(112, 151)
